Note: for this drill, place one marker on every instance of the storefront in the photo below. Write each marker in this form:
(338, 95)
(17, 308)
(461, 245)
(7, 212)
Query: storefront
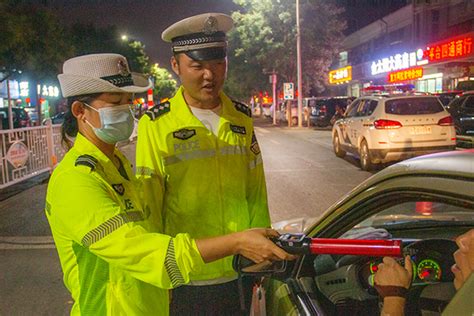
(24, 94)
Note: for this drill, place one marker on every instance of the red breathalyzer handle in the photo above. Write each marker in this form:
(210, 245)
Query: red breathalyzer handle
(361, 247)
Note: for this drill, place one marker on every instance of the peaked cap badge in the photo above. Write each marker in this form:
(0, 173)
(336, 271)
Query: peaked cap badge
(123, 68)
(210, 26)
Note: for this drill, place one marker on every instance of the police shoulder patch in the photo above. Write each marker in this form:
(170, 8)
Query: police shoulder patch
(158, 110)
(254, 147)
(239, 106)
(87, 160)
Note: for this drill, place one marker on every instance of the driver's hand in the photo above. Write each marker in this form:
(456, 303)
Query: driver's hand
(255, 245)
(464, 259)
(391, 273)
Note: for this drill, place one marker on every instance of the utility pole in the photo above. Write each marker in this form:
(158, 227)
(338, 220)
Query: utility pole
(274, 82)
(298, 65)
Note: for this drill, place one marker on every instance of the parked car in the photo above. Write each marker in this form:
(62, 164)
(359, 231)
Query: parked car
(447, 96)
(462, 111)
(56, 119)
(382, 129)
(20, 118)
(425, 202)
(323, 109)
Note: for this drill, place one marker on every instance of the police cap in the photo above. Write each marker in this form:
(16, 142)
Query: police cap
(200, 37)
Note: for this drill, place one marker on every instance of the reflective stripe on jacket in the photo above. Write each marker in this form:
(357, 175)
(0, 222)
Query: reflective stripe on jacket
(214, 185)
(114, 261)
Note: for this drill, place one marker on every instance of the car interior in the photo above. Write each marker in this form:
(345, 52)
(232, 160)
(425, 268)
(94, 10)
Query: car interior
(343, 284)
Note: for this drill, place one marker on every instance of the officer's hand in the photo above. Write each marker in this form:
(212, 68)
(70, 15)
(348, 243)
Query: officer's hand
(255, 245)
(391, 273)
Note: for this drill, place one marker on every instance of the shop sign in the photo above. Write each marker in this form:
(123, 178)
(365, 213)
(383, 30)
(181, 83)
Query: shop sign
(48, 91)
(17, 154)
(404, 75)
(340, 75)
(24, 89)
(397, 62)
(449, 49)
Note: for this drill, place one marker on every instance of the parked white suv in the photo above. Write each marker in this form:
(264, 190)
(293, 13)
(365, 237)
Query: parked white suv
(381, 129)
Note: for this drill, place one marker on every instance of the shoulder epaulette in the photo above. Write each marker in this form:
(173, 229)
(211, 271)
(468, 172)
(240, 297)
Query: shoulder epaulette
(158, 110)
(87, 160)
(239, 106)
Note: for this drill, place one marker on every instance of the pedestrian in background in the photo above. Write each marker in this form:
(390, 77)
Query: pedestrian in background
(114, 260)
(200, 147)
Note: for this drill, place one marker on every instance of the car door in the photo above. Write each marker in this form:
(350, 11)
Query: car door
(345, 124)
(466, 116)
(355, 127)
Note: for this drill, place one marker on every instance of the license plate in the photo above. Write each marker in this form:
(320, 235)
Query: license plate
(420, 130)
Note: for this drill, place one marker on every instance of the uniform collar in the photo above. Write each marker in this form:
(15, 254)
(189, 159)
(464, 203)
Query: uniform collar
(187, 118)
(83, 146)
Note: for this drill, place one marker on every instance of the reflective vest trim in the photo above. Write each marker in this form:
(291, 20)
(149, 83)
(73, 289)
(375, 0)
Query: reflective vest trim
(110, 226)
(145, 171)
(206, 153)
(172, 267)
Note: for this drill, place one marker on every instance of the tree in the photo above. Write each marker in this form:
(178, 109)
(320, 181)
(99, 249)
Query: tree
(33, 41)
(88, 39)
(165, 85)
(265, 39)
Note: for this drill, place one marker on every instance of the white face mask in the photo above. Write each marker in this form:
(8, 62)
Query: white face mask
(116, 123)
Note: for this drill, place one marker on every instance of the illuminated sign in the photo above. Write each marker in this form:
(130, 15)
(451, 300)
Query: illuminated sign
(48, 91)
(24, 89)
(449, 49)
(397, 62)
(340, 75)
(404, 75)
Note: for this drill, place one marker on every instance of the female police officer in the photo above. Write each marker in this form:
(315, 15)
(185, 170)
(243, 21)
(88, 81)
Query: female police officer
(114, 260)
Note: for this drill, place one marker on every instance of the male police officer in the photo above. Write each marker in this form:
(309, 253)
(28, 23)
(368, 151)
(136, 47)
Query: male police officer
(200, 148)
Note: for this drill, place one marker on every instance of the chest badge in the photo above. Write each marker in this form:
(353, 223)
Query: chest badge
(238, 129)
(119, 188)
(184, 133)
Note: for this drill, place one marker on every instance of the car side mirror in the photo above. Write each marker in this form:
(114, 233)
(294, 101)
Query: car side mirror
(247, 267)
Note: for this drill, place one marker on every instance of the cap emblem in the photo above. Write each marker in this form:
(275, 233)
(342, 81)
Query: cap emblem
(210, 25)
(122, 68)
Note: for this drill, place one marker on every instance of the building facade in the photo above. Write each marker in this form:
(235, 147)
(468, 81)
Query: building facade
(425, 46)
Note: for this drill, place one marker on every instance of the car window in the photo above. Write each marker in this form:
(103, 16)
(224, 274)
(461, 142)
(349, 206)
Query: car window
(352, 109)
(413, 106)
(368, 107)
(411, 212)
(469, 102)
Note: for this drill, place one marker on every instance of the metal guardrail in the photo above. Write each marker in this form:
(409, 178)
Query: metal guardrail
(27, 152)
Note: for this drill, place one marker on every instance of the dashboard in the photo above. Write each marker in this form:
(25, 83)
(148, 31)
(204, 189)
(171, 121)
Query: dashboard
(340, 278)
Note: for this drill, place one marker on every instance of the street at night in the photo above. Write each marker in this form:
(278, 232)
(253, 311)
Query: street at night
(236, 157)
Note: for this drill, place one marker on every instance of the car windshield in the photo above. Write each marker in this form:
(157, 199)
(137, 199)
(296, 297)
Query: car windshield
(413, 106)
(420, 213)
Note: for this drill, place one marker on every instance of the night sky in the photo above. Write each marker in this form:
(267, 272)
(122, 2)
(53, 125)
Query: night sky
(144, 20)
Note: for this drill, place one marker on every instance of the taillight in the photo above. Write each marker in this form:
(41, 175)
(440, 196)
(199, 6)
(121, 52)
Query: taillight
(323, 109)
(446, 121)
(387, 124)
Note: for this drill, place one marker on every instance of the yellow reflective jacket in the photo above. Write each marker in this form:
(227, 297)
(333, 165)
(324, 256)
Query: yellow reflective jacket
(214, 185)
(114, 262)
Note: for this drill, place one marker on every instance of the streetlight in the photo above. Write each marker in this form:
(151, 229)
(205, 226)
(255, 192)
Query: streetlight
(124, 38)
(298, 65)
